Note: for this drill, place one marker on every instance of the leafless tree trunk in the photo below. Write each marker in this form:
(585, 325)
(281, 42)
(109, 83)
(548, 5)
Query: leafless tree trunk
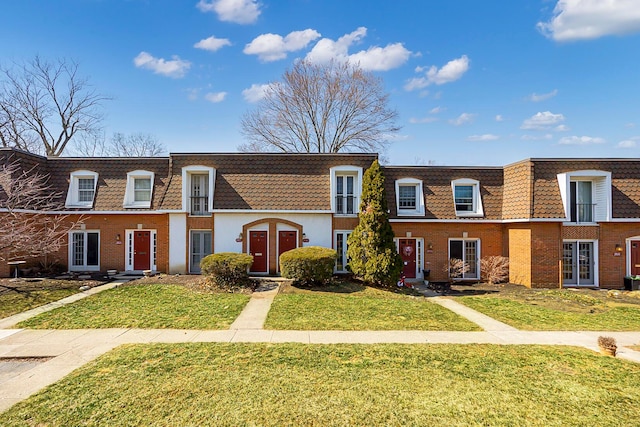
(28, 228)
(43, 105)
(321, 108)
(120, 145)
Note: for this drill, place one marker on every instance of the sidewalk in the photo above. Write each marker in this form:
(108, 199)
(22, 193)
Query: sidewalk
(71, 349)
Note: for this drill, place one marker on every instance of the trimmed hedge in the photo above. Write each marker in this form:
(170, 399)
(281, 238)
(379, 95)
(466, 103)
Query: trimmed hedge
(227, 269)
(309, 264)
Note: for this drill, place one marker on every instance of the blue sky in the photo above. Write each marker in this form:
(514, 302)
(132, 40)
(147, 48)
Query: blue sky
(475, 82)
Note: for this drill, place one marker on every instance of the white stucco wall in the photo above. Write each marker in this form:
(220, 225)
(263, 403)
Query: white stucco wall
(178, 243)
(317, 228)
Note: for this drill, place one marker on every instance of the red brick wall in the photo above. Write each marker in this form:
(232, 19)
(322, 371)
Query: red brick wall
(535, 253)
(612, 268)
(438, 235)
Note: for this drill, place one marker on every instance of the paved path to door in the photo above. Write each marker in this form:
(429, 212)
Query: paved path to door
(34, 359)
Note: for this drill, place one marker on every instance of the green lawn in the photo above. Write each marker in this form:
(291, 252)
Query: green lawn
(361, 309)
(338, 385)
(145, 306)
(17, 302)
(579, 313)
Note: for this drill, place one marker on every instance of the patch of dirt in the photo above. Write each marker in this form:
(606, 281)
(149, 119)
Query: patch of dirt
(196, 282)
(23, 285)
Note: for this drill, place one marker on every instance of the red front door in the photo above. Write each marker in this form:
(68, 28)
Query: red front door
(287, 240)
(407, 249)
(142, 250)
(635, 257)
(258, 248)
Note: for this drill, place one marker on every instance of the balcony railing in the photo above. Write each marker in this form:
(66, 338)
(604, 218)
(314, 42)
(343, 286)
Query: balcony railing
(346, 205)
(584, 212)
(199, 205)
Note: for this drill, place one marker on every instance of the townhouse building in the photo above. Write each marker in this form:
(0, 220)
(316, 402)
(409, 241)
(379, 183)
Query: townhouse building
(561, 222)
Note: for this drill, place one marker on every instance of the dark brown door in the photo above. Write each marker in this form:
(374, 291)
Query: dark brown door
(287, 240)
(258, 248)
(142, 250)
(635, 257)
(407, 248)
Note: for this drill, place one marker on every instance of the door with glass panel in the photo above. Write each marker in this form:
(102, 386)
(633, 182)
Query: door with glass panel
(578, 263)
(200, 247)
(345, 198)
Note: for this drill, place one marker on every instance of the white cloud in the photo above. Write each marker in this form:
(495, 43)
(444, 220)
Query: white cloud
(238, 11)
(174, 68)
(536, 137)
(534, 97)
(381, 58)
(590, 19)
(450, 72)
(628, 143)
(255, 93)
(630, 125)
(215, 97)
(580, 140)
(499, 118)
(542, 120)
(462, 119)
(375, 58)
(436, 110)
(427, 119)
(562, 128)
(485, 137)
(271, 47)
(212, 44)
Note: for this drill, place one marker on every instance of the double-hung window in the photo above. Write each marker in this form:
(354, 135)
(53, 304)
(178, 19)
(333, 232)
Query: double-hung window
(82, 189)
(466, 197)
(139, 191)
(84, 251)
(409, 197)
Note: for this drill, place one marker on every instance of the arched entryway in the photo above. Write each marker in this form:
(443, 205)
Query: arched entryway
(266, 239)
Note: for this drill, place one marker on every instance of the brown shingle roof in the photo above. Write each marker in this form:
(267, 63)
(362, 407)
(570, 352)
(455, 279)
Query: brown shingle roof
(265, 181)
(437, 188)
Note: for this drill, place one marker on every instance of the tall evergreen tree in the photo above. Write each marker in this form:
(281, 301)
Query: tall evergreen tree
(371, 250)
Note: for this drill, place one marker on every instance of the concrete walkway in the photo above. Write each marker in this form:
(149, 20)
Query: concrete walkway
(46, 356)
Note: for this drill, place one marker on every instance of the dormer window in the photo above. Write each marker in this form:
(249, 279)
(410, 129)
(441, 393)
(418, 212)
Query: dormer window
(466, 197)
(197, 190)
(586, 196)
(139, 189)
(82, 189)
(409, 197)
(346, 187)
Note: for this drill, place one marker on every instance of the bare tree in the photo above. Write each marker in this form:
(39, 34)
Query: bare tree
(494, 269)
(43, 105)
(321, 108)
(120, 145)
(28, 227)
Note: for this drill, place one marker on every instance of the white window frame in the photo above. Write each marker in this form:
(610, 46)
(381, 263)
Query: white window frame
(73, 193)
(191, 232)
(596, 262)
(354, 171)
(477, 209)
(601, 193)
(478, 256)
(187, 171)
(345, 235)
(129, 195)
(417, 185)
(84, 266)
(129, 248)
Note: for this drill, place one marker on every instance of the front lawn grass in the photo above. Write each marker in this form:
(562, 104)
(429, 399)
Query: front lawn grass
(145, 306)
(13, 302)
(564, 313)
(360, 308)
(339, 385)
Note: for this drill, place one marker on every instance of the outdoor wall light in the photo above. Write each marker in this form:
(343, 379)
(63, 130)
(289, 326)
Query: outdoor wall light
(118, 239)
(240, 236)
(430, 246)
(618, 247)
